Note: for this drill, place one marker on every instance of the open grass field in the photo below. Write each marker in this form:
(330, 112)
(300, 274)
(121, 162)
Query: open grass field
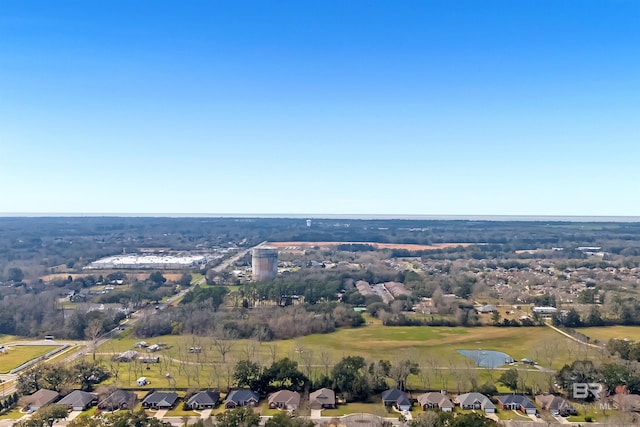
(434, 348)
(378, 341)
(19, 354)
(410, 247)
(605, 333)
(8, 338)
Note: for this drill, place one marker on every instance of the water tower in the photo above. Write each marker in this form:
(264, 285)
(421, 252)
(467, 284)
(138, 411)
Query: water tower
(264, 263)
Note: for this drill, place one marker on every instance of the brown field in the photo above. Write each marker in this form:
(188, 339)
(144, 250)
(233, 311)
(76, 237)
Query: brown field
(410, 247)
(171, 276)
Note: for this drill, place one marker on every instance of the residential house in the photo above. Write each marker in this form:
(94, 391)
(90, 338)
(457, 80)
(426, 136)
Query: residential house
(204, 400)
(241, 397)
(486, 309)
(284, 399)
(119, 399)
(626, 402)
(325, 398)
(40, 398)
(558, 406)
(435, 400)
(78, 400)
(396, 398)
(127, 356)
(160, 400)
(475, 401)
(517, 402)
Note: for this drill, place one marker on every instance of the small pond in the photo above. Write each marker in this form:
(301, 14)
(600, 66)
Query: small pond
(487, 358)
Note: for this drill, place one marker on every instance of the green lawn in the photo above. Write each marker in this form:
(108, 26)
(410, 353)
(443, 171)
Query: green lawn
(179, 412)
(357, 408)
(19, 354)
(13, 414)
(196, 277)
(605, 333)
(512, 415)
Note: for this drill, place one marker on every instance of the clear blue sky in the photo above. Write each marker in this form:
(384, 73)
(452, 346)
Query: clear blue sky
(341, 107)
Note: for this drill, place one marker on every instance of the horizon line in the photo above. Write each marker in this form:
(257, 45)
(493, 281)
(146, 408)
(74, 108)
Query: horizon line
(415, 217)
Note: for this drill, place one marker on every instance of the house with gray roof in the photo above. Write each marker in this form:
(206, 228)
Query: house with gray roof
(517, 402)
(241, 397)
(78, 400)
(557, 405)
(475, 401)
(119, 399)
(435, 400)
(204, 400)
(160, 400)
(397, 398)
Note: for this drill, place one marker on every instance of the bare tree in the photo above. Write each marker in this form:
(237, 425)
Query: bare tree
(249, 350)
(306, 356)
(325, 360)
(93, 332)
(224, 345)
(273, 351)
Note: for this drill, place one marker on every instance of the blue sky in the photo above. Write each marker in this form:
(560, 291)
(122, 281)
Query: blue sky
(339, 107)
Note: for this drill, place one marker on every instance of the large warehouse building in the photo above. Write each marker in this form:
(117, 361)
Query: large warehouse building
(167, 262)
(264, 263)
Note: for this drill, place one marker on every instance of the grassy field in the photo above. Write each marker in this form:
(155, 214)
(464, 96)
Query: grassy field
(17, 355)
(8, 338)
(381, 342)
(434, 348)
(605, 333)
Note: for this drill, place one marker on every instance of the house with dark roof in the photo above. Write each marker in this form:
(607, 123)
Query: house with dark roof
(241, 397)
(517, 402)
(204, 400)
(475, 401)
(558, 406)
(40, 398)
(396, 398)
(78, 400)
(160, 400)
(325, 398)
(119, 399)
(435, 400)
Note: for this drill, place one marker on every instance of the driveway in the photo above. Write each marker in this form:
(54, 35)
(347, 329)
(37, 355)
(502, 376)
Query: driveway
(316, 414)
(536, 419)
(160, 414)
(72, 415)
(206, 413)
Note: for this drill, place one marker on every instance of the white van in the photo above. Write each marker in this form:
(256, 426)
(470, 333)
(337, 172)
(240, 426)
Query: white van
(142, 381)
